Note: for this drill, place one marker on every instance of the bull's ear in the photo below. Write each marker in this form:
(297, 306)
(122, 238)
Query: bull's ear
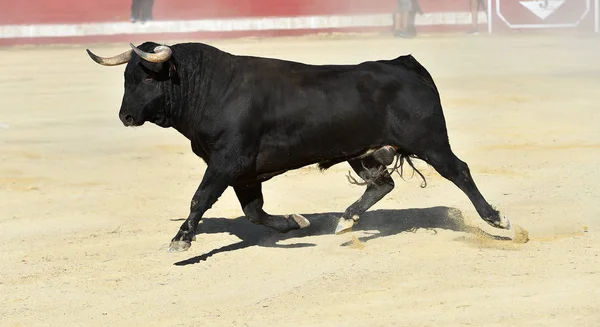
(172, 70)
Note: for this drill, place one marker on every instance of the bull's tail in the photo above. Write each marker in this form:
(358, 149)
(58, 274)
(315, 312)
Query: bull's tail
(400, 158)
(374, 174)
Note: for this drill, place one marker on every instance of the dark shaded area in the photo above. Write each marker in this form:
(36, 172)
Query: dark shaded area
(386, 222)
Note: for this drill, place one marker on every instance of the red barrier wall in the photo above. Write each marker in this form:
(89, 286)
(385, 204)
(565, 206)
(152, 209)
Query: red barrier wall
(66, 21)
(77, 11)
(61, 11)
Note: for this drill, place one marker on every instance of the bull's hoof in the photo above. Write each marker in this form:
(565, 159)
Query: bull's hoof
(179, 246)
(503, 223)
(344, 225)
(300, 220)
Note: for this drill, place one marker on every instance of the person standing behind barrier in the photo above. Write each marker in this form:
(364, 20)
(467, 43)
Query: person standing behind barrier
(404, 18)
(141, 10)
(476, 5)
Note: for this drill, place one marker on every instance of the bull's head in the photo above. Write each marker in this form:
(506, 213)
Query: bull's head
(148, 77)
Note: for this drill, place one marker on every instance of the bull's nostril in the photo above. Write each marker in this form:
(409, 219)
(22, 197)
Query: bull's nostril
(127, 119)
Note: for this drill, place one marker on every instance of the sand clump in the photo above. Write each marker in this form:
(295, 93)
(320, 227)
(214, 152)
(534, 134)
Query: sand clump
(355, 243)
(521, 235)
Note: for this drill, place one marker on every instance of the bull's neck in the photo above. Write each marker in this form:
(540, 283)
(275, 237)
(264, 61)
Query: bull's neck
(204, 73)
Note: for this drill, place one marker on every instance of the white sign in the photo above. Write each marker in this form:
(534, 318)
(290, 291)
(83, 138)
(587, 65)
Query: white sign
(542, 8)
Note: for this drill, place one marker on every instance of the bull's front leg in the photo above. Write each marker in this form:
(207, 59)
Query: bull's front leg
(215, 181)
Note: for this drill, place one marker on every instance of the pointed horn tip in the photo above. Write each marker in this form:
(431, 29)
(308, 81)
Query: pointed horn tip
(92, 55)
(112, 61)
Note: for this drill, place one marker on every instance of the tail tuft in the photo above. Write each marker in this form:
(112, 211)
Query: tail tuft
(373, 175)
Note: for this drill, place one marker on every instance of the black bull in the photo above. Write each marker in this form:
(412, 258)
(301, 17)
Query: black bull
(252, 118)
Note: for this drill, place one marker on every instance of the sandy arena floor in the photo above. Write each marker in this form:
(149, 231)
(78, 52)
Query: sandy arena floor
(88, 207)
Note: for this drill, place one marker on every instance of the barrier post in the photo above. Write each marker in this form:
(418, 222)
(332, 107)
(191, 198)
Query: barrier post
(596, 16)
(489, 16)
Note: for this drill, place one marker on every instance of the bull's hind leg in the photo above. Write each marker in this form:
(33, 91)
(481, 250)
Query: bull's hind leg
(251, 199)
(379, 183)
(445, 162)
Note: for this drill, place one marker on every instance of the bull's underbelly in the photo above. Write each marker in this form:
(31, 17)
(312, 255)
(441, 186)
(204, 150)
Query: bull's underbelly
(280, 163)
(280, 159)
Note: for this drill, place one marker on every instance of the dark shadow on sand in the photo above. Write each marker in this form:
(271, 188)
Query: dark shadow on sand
(386, 222)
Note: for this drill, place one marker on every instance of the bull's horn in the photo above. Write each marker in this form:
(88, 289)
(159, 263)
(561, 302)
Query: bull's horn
(111, 61)
(161, 53)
